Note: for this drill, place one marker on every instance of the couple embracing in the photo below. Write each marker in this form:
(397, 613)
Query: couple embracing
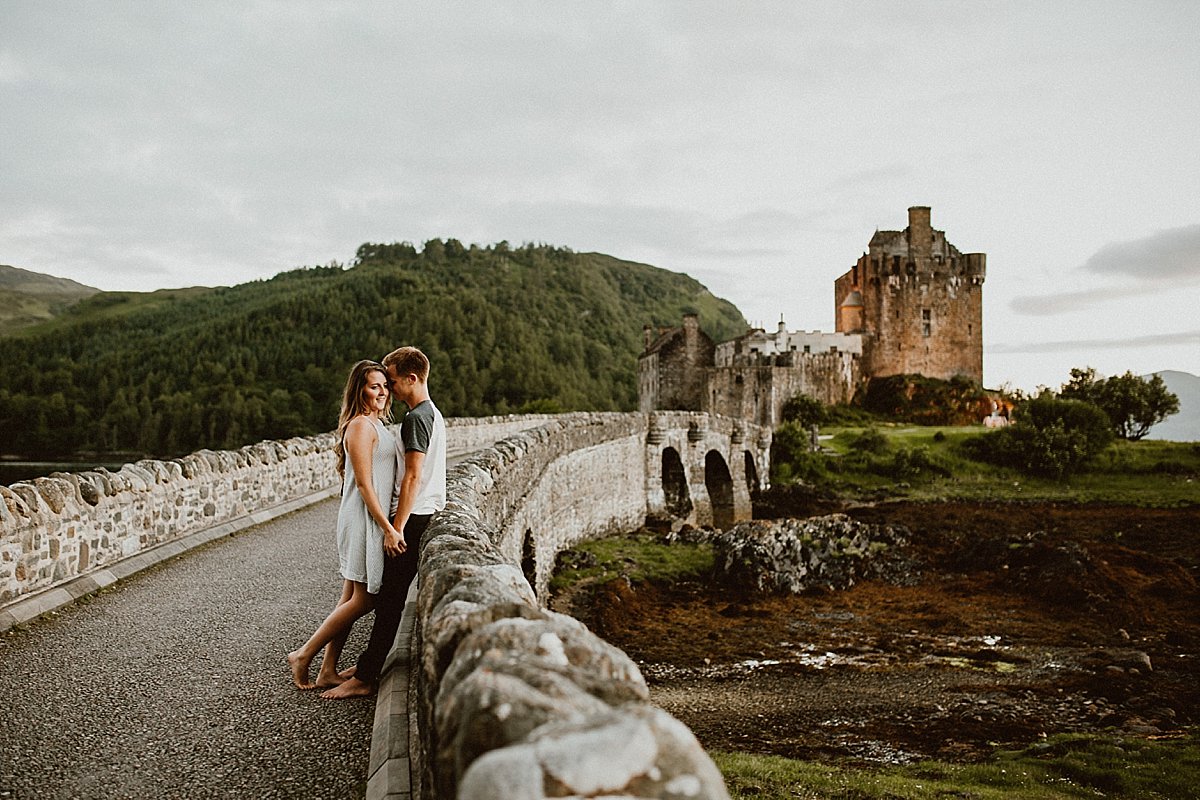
(390, 489)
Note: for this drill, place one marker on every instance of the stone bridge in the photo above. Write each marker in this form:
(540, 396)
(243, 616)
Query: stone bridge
(487, 693)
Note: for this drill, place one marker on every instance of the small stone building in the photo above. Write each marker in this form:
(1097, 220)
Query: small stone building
(671, 370)
(911, 304)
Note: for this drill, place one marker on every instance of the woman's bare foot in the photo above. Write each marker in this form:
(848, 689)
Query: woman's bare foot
(348, 672)
(351, 687)
(328, 681)
(299, 665)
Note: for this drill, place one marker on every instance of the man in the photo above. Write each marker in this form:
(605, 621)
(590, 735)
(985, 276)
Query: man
(420, 492)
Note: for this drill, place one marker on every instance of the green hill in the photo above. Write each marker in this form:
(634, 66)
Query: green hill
(28, 297)
(534, 328)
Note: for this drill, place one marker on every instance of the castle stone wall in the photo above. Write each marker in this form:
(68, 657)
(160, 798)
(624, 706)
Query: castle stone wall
(671, 371)
(759, 392)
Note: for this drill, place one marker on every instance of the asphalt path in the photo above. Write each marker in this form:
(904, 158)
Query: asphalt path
(174, 684)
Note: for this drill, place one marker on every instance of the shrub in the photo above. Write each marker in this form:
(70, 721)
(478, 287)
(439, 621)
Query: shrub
(848, 416)
(870, 441)
(926, 401)
(803, 410)
(792, 458)
(910, 462)
(1050, 437)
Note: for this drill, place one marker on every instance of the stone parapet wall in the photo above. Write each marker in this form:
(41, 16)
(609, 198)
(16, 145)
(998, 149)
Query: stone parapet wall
(66, 525)
(57, 528)
(514, 700)
(468, 434)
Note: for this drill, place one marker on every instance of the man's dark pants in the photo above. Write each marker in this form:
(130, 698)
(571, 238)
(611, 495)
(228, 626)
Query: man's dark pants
(398, 574)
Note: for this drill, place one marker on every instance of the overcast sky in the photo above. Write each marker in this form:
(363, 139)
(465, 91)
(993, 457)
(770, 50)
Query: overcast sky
(753, 145)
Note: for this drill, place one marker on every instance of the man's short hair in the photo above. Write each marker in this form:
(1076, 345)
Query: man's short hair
(408, 361)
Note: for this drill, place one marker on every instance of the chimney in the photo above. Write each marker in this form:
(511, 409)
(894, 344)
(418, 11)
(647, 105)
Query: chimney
(920, 233)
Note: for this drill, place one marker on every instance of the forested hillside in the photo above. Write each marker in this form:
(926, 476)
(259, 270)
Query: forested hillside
(534, 328)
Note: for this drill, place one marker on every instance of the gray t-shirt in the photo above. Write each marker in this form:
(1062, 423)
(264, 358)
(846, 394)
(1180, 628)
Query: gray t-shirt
(424, 431)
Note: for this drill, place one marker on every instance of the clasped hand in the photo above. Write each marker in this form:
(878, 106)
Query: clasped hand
(393, 542)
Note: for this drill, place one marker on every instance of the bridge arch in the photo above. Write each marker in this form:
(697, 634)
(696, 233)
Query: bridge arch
(751, 471)
(675, 484)
(719, 483)
(744, 451)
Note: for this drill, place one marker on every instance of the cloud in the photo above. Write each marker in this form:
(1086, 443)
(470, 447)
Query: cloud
(12, 71)
(1064, 302)
(1171, 254)
(1164, 261)
(1128, 343)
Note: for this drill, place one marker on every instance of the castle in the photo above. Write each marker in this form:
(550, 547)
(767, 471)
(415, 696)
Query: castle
(911, 304)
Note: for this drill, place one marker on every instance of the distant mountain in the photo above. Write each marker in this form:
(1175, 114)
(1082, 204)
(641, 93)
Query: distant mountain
(28, 297)
(508, 329)
(1184, 426)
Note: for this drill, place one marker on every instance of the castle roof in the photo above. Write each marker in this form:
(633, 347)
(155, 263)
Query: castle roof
(853, 300)
(885, 238)
(661, 340)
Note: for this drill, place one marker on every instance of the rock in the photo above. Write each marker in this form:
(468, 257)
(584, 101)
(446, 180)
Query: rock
(88, 492)
(491, 708)
(465, 609)
(635, 751)
(555, 642)
(512, 773)
(795, 556)
(1118, 661)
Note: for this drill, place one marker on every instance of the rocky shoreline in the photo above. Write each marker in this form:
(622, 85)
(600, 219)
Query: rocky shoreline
(1009, 623)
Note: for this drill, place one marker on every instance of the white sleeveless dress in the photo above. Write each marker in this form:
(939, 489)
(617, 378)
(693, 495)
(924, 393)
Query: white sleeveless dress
(359, 538)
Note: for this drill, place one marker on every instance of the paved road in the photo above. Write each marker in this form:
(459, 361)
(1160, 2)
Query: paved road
(173, 684)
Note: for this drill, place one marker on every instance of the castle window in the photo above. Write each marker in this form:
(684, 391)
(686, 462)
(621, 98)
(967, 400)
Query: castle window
(833, 348)
(808, 348)
(738, 380)
(926, 322)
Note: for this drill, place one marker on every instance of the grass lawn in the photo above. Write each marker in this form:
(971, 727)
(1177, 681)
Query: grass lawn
(929, 463)
(1060, 767)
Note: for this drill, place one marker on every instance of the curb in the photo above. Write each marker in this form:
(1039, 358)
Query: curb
(389, 773)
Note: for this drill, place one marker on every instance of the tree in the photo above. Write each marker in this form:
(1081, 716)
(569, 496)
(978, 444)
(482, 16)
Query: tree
(1134, 405)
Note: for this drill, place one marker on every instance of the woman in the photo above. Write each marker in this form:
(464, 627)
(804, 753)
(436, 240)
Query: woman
(366, 460)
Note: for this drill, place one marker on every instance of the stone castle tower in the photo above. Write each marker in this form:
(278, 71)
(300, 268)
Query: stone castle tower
(917, 302)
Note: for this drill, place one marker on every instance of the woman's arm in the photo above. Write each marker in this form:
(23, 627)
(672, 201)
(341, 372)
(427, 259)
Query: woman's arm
(360, 445)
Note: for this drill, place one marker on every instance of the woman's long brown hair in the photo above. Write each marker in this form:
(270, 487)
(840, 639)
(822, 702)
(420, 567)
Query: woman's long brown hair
(354, 404)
